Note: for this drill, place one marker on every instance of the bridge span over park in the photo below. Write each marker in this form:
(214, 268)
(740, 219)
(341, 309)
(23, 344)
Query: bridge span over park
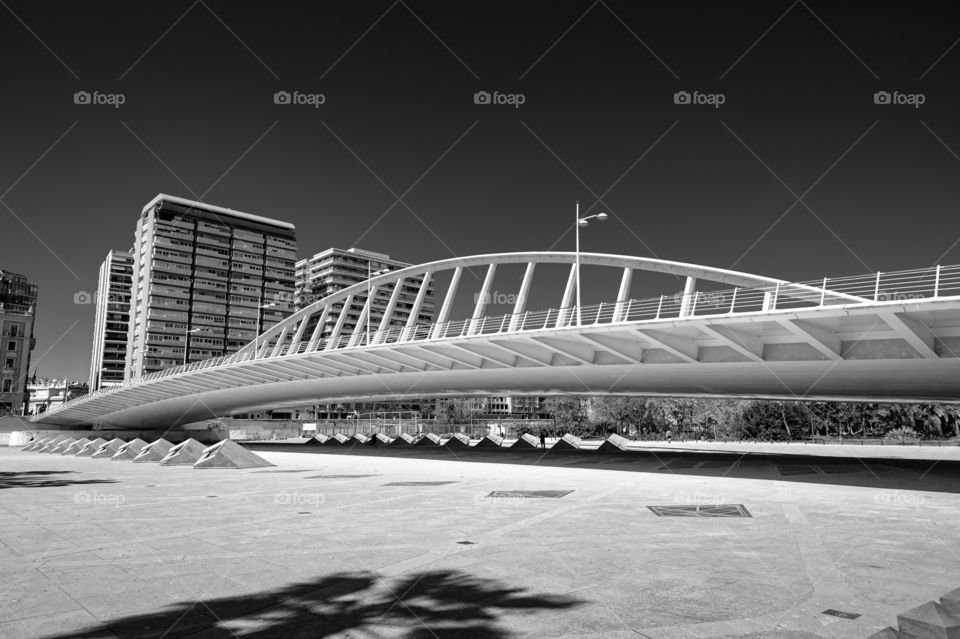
(878, 337)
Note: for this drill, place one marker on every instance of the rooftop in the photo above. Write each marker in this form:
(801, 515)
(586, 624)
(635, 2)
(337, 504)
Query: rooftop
(163, 197)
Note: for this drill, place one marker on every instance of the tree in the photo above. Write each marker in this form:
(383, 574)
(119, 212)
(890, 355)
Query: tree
(570, 414)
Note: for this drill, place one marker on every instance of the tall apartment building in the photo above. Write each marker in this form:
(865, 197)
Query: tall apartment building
(111, 323)
(334, 269)
(18, 305)
(200, 275)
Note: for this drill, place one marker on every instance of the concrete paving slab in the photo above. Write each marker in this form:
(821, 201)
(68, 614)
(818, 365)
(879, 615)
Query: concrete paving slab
(324, 549)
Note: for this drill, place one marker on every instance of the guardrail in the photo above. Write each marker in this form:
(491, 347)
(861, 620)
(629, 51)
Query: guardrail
(897, 286)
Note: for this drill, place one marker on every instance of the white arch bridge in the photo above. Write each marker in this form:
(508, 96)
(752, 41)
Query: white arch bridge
(879, 337)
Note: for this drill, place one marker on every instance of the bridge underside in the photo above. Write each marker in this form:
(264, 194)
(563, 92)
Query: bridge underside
(881, 352)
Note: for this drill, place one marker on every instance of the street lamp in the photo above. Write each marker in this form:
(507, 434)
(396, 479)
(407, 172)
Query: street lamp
(256, 338)
(186, 340)
(583, 221)
(370, 293)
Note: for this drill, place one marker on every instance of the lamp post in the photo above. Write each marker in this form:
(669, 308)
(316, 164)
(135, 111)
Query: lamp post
(370, 293)
(583, 221)
(256, 339)
(186, 341)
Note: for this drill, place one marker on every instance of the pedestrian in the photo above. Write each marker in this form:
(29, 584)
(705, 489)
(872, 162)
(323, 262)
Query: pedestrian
(543, 439)
(669, 436)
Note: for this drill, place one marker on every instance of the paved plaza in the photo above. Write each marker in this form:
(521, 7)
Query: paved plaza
(420, 543)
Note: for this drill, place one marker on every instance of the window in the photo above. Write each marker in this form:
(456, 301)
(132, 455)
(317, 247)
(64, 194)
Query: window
(11, 346)
(7, 385)
(10, 362)
(14, 330)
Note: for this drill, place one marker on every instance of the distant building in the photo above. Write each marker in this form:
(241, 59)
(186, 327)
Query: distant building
(18, 305)
(112, 320)
(47, 394)
(200, 272)
(335, 269)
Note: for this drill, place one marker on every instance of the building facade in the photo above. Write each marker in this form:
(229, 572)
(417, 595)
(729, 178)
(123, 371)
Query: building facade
(335, 269)
(46, 394)
(18, 305)
(201, 277)
(111, 323)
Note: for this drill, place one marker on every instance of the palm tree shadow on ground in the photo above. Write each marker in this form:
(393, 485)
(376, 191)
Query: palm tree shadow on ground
(437, 604)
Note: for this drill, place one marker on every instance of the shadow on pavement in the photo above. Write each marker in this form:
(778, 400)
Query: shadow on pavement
(434, 604)
(885, 473)
(44, 479)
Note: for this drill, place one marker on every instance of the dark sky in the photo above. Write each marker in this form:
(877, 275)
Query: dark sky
(707, 185)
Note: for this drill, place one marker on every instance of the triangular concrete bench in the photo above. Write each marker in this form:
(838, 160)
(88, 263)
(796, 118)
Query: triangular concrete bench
(153, 452)
(129, 450)
(381, 440)
(459, 440)
(337, 439)
(91, 447)
(951, 601)
(402, 439)
(888, 633)
(360, 439)
(526, 441)
(614, 444)
(49, 444)
(108, 449)
(316, 440)
(929, 620)
(62, 446)
(566, 443)
(490, 441)
(230, 454)
(429, 439)
(35, 444)
(75, 447)
(186, 453)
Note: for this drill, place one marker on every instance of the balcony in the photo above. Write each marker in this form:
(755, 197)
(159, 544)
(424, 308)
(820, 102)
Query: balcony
(248, 235)
(221, 255)
(216, 229)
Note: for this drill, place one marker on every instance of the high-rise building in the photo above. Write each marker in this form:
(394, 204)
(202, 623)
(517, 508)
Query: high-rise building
(201, 274)
(111, 323)
(334, 269)
(18, 305)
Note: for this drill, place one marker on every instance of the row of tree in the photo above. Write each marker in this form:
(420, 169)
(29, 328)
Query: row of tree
(733, 418)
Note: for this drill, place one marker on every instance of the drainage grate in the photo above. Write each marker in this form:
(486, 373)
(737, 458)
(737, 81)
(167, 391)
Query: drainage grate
(701, 510)
(338, 476)
(840, 613)
(419, 483)
(679, 463)
(529, 494)
(467, 543)
(797, 470)
(841, 468)
(717, 464)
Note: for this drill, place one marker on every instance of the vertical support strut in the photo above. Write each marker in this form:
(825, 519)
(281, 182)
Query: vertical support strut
(444, 316)
(567, 300)
(361, 326)
(411, 325)
(338, 328)
(482, 300)
(298, 336)
(520, 307)
(318, 330)
(619, 313)
(688, 288)
(388, 313)
(280, 340)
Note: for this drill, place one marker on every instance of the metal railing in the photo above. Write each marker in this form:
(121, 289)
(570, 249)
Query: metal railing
(898, 286)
